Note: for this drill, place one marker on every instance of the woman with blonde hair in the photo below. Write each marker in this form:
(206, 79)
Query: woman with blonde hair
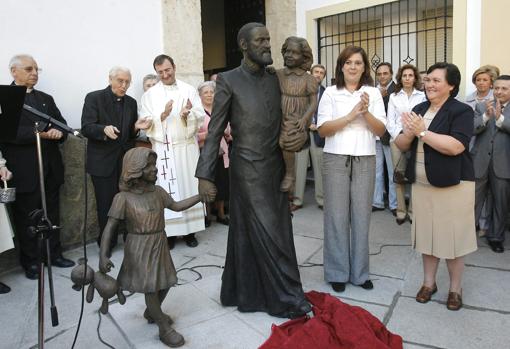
(483, 78)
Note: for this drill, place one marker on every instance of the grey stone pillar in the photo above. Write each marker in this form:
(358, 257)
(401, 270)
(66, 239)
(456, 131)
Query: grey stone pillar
(281, 23)
(182, 38)
(72, 196)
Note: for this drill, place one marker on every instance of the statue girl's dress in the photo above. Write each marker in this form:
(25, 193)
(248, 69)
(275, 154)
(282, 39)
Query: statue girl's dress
(147, 266)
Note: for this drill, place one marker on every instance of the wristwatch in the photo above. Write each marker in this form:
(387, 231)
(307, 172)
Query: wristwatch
(422, 134)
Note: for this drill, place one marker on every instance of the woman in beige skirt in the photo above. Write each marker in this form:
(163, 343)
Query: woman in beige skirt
(5, 224)
(437, 133)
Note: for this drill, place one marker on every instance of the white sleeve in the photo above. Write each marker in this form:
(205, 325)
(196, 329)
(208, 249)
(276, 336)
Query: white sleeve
(155, 132)
(376, 106)
(2, 160)
(394, 125)
(326, 109)
(196, 115)
(499, 122)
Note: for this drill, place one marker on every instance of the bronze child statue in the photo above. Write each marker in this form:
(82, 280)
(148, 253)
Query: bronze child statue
(299, 102)
(147, 266)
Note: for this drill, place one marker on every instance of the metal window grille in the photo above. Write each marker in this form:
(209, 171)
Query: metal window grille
(418, 32)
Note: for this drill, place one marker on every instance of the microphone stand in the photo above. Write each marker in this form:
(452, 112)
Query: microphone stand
(43, 228)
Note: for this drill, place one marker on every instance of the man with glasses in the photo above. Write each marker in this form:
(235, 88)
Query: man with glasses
(21, 156)
(109, 121)
(176, 112)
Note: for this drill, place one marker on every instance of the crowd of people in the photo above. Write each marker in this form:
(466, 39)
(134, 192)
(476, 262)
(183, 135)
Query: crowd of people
(445, 159)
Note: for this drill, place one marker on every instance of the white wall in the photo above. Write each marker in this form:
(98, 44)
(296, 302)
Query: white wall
(77, 42)
(302, 6)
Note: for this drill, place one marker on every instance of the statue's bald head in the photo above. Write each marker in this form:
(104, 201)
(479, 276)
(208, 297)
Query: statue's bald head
(245, 32)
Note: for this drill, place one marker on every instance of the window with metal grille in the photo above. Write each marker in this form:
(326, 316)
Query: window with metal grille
(418, 32)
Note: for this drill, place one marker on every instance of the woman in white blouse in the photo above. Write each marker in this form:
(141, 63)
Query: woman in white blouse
(407, 94)
(351, 114)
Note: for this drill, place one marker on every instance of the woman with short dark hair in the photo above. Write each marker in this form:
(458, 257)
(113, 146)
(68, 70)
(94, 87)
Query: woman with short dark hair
(441, 169)
(350, 116)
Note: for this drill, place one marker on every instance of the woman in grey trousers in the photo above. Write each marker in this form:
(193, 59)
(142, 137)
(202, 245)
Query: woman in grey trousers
(351, 114)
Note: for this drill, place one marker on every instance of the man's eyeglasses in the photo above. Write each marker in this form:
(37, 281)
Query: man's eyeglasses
(30, 70)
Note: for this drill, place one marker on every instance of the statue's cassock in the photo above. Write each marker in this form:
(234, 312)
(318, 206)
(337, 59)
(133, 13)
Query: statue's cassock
(261, 271)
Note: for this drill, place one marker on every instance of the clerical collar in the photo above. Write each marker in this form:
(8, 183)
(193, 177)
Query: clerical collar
(115, 98)
(172, 86)
(29, 89)
(296, 71)
(252, 69)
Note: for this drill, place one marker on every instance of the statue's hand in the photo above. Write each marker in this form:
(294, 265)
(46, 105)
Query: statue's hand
(105, 264)
(206, 190)
(271, 70)
(301, 125)
(291, 138)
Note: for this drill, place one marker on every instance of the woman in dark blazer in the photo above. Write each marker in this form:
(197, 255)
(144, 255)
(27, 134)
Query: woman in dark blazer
(437, 133)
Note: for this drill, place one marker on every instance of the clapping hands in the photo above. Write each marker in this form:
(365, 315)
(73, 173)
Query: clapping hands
(413, 124)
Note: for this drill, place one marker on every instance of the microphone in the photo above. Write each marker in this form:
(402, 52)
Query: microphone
(60, 125)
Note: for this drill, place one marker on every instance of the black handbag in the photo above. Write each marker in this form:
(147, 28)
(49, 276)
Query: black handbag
(399, 176)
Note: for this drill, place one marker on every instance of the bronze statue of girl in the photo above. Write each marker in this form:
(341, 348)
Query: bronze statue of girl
(299, 102)
(147, 266)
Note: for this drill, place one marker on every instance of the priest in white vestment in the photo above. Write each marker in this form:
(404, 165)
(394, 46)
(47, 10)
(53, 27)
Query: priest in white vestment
(177, 114)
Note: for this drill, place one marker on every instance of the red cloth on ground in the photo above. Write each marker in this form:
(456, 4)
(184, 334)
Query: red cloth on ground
(334, 325)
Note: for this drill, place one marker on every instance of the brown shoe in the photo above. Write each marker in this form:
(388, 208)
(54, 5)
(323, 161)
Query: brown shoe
(454, 301)
(425, 293)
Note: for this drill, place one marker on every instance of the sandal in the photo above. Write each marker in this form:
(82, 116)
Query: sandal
(454, 301)
(425, 294)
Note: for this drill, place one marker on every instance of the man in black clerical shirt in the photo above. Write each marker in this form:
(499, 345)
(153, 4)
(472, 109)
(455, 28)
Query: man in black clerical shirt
(109, 121)
(21, 156)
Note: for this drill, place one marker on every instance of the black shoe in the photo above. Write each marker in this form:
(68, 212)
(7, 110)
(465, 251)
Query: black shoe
(61, 262)
(32, 272)
(171, 242)
(375, 208)
(191, 240)
(338, 286)
(367, 285)
(4, 288)
(496, 246)
(394, 212)
(225, 220)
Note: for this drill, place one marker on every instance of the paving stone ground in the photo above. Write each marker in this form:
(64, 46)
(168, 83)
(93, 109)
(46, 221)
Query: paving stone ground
(396, 271)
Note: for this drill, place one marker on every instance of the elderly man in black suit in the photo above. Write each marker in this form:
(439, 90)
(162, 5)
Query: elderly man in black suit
(21, 156)
(109, 121)
(491, 160)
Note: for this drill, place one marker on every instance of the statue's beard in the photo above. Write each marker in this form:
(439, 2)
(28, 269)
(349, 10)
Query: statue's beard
(262, 59)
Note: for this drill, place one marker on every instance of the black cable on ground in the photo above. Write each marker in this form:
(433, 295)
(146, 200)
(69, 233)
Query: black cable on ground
(199, 276)
(99, 334)
(84, 236)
